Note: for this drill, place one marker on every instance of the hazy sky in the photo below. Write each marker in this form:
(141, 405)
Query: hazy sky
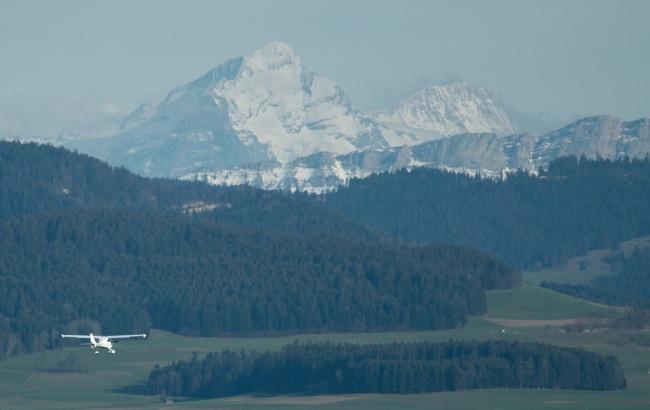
(65, 65)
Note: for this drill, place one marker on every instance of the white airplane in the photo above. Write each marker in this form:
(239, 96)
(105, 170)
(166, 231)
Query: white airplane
(104, 342)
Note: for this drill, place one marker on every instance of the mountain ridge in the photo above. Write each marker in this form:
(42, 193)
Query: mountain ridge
(450, 109)
(485, 154)
(268, 121)
(269, 107)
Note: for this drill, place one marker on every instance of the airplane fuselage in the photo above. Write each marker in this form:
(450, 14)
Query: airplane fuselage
(102, 343)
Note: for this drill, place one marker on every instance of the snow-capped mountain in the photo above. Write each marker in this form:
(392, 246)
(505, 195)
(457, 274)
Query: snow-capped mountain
(601, 135)
(486, 154)
(438, 111)
(268, 107)
(268, 121)
(265, 107)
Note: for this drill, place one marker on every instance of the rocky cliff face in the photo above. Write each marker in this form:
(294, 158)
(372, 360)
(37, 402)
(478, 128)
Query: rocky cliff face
(485, 154)
(602, 135)
(268, 121)
(265, 107)
(268, 107)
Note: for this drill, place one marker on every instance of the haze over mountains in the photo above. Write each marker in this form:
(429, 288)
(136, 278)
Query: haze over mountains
(268, 121)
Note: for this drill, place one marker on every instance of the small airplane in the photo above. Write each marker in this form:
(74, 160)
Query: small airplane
(103, 342)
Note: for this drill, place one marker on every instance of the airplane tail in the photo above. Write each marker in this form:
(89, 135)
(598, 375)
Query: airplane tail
(93, 343)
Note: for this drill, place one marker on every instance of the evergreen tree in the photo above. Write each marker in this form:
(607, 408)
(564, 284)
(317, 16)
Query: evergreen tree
(402, 368)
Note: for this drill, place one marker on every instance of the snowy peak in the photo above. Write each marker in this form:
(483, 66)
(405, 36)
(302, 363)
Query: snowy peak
(273, 56)
(486, 154)
(263, 107)
(290, 109)
(600, 135)
(450, 109)
(269, 121)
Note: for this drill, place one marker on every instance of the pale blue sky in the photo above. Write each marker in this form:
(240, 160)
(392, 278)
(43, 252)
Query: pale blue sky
(70, 64)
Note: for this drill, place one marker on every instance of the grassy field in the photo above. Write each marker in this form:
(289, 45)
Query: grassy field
(534, 303)
(111, 381)
(582, 269)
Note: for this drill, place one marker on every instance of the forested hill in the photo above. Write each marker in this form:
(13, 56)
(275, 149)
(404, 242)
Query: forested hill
(76, 270)
(38, 178)
(527, 220)
(574, 206)
(84, 246)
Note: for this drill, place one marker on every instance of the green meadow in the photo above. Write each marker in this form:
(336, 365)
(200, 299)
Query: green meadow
(535, 303)
(114, 381)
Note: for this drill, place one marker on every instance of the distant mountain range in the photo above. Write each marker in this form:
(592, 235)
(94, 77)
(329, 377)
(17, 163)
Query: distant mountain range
(484, 153)
(268, 121)
(452, 109)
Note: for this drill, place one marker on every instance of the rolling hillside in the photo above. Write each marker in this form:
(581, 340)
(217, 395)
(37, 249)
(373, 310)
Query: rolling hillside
(531, 221)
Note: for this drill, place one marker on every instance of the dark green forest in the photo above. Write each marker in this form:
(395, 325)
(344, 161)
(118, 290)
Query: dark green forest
(125, 270)
(630, 287)
(38, 178)
(327, 368)
(526, 220)
(88, 247)
(530, 221)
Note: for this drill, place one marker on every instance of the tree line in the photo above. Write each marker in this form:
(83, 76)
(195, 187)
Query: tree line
(125, 271)
(576, 205)
(330, 368)
(36, 178)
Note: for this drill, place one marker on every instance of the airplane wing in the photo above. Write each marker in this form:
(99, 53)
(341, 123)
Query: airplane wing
(124, 337)
(112, 337)
(77, 336)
